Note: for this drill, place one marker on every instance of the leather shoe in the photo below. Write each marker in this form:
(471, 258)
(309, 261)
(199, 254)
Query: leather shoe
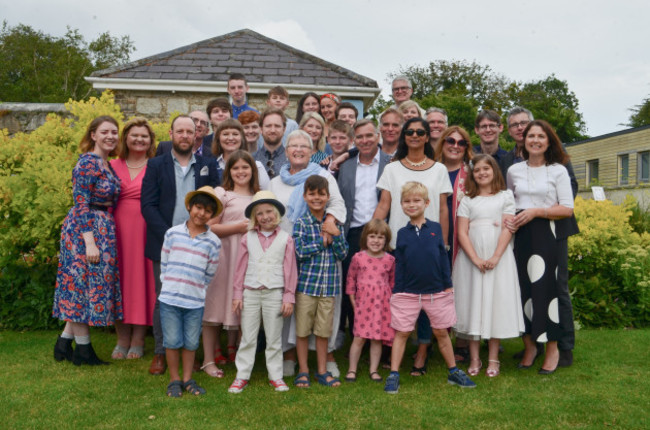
(566, 358)
(543, 371)
(158, 365)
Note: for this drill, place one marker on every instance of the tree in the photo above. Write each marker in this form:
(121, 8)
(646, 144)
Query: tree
(463, 89)
(640, 114)
(550, 99)
(37, 67)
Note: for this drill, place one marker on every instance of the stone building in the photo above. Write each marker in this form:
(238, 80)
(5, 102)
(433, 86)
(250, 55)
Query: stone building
(186, 78)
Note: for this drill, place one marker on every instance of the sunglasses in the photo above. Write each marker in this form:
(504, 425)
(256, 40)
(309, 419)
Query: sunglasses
(419, 132)
(451, 142)
(269, 168)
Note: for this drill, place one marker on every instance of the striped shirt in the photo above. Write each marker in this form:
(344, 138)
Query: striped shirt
(186, 266)
(318, 271)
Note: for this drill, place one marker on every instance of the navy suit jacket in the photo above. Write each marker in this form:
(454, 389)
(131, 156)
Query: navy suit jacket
(347, 180)
(166, 146)
(159, 196)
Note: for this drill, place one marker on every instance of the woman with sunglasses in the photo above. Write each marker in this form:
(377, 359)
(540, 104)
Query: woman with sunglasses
(414, 162)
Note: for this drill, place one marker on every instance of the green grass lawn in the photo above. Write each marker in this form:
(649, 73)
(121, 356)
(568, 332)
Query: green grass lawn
(607, 387)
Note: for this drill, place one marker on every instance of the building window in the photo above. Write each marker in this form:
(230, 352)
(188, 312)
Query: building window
(623, 169)
(592, 172)
(644, 166)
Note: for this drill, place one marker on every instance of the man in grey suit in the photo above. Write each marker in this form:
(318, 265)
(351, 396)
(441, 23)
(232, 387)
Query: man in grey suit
(357, 181)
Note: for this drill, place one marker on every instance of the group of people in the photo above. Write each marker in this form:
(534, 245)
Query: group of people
(312, 226)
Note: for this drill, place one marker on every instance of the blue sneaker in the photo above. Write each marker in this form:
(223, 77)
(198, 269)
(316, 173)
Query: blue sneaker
(392, 383)
(461, 379)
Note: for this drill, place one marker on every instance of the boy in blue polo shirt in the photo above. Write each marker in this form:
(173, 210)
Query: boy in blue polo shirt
(422, 282)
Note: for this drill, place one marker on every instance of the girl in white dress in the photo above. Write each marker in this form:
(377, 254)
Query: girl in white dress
(488, 303)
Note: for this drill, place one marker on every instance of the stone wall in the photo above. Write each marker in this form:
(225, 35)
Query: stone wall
(27, 117)
(158, 105)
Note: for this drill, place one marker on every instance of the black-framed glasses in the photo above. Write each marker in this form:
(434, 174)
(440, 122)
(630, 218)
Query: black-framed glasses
(397, 89)
(451, 142)
(420, 132)
(269, 168)
(518, 124)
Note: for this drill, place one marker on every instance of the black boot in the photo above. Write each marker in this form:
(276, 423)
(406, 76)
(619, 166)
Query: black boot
(63, 349)
(85, 354)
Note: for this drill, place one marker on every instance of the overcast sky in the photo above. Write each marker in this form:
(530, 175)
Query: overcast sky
(601, 48)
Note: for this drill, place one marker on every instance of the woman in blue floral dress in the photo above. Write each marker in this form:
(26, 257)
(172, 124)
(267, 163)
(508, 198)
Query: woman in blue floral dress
(87, 282)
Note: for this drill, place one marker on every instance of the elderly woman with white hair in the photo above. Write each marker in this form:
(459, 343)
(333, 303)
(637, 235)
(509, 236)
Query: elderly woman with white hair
(288, 187)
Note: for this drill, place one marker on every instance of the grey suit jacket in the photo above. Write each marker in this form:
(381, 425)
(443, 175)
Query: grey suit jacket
(347, 183)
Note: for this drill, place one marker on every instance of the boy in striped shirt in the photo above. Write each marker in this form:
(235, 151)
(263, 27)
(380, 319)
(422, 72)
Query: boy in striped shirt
(188, 261)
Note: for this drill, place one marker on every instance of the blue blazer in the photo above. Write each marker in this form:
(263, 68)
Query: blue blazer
(159, 196)
(347, 181)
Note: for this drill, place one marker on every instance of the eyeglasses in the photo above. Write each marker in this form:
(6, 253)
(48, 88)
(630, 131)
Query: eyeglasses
(518, 124)
(397, 89)
(419, 132)
(488, 127)
(198, 121)
(451, 142)
(269, 168)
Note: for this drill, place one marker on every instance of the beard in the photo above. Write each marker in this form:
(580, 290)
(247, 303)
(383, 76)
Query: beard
(180, 150)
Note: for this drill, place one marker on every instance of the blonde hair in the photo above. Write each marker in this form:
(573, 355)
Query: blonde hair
(252, 221)
(408, 104)
(417, 188)
(320, 145)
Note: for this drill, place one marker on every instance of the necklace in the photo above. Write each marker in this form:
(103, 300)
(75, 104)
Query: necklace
(135, 167)
(418, 164)
(532, 186)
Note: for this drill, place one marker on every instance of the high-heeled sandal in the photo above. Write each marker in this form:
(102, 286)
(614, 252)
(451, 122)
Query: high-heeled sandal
(219, 359)
(493, 372)
(232, 353)
(473, 371)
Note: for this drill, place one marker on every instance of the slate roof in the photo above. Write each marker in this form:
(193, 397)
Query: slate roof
(259, 58)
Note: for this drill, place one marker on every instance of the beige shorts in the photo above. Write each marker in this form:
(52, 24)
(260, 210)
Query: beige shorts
(314, 315)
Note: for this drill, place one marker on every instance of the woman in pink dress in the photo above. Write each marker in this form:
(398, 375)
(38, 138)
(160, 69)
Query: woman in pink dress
(136, 146)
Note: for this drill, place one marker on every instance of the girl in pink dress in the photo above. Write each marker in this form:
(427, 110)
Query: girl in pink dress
(135, 147)
(370, 283)
(240, 183)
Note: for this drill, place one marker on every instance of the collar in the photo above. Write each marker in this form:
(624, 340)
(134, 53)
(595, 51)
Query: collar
(313, 219)
(276, 152)
(192, 159)
(412, 226)
(275, 232)
(187, 230)
(375, 159)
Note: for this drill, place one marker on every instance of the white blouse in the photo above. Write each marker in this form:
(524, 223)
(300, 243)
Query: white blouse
(540, 187)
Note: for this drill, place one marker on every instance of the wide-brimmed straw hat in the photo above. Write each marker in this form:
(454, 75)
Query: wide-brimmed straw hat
(208, 191)
(264, 197)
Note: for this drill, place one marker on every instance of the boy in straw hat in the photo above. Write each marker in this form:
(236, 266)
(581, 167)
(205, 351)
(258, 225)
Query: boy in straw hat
(189, 257)
(264, 286)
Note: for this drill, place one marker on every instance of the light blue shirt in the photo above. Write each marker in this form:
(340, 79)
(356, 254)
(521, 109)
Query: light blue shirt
(185, 183)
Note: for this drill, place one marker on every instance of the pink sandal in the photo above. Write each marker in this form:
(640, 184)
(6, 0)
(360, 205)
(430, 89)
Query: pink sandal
(215, 373)
(491, 372)
(473, 371)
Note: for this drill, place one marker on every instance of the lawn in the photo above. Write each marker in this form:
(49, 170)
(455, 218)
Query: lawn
(607, 387)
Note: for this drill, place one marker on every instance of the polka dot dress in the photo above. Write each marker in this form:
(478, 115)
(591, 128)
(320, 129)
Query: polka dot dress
(536, 253)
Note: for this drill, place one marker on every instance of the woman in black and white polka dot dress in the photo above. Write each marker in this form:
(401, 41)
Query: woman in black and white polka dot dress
(542, 191)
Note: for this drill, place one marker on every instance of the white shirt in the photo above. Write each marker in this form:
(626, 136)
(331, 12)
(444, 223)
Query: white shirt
(365, 192)
(540, 187)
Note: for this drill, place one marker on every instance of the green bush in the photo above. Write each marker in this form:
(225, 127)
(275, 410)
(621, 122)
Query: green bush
(35, 196)
(609, 264)
(26, 293)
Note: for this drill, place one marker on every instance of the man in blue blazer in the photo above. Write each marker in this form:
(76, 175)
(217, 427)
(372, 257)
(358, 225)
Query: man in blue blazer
(363, 170)
(201, 147)
(166, 182)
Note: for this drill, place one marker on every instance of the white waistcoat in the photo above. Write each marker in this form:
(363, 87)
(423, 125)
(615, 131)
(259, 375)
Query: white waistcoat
(265, 268)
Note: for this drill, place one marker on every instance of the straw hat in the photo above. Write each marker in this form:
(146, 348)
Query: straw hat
(264, 197)
(208, 191)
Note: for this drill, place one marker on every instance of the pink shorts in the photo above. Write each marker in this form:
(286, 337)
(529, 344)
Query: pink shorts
(439, 307)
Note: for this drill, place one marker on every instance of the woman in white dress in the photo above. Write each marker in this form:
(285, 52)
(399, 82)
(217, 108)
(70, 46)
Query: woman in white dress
(488, 303)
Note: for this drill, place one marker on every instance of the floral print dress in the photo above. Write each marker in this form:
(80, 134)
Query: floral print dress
(89, 293)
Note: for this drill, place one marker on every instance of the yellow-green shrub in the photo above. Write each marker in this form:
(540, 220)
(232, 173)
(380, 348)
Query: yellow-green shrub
(609, 264)
(35, 196)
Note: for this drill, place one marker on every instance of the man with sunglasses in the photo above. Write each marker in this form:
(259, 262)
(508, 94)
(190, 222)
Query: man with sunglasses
(272, 155)
(202, 124)
(488, 127)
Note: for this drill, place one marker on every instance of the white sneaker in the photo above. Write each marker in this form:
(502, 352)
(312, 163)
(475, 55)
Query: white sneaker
(333, 368)
(279, 385)
(288, 368)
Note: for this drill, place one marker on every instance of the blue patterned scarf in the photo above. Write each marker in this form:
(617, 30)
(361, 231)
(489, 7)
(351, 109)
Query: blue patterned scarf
(297, 205)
